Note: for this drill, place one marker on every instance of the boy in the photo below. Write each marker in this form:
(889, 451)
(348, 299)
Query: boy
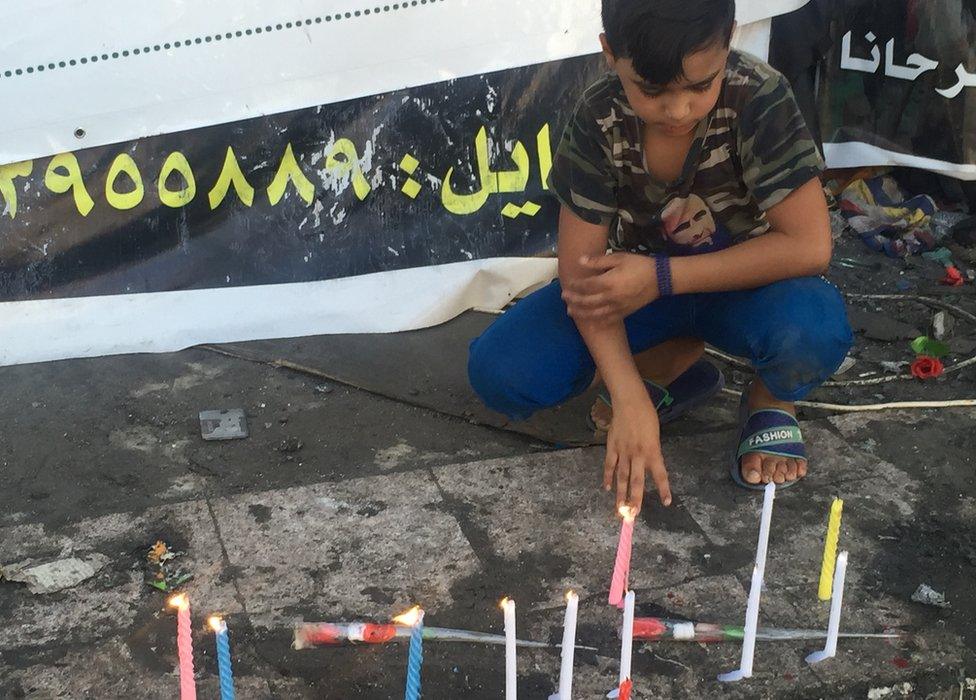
(692, 164)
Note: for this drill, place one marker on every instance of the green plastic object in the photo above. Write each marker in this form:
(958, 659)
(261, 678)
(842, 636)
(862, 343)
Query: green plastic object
(923, 345)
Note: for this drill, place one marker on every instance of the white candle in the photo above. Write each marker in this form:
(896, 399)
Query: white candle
(769, 495)
(833, 626)
(568, 648)
(511, 668)
(755, 591)
(627, 636)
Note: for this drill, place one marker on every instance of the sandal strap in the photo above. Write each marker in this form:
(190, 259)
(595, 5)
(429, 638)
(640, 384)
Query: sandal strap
(773, 434)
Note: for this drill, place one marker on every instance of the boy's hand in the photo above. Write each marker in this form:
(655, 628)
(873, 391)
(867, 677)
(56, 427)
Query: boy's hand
(614, 287)
(633, 447)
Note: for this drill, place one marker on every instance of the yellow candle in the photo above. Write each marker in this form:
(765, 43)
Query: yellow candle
(830, 550)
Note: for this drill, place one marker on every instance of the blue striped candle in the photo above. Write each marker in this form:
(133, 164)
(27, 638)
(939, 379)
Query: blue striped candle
(414, 618)
(223, 658)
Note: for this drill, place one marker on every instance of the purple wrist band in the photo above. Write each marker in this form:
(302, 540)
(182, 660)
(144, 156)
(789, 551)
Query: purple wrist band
(662, 264)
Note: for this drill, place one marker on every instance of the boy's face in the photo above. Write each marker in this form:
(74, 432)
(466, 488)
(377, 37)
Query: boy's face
(676, 108)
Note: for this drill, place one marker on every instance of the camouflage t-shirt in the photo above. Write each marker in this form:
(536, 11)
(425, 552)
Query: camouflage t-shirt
(751, 151)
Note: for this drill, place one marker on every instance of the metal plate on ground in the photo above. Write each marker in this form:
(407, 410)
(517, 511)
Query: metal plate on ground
(229, 424)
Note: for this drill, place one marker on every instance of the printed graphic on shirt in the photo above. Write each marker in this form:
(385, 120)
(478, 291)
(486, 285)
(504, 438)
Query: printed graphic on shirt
(689, 227)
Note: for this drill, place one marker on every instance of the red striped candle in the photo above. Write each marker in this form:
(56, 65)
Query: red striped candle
(621, 566)
(184, 646)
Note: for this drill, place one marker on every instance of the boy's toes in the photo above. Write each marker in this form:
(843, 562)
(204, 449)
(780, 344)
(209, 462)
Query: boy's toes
(791, 470)
(779, 476)
(751, 466)
(801, 468)
(769, 468)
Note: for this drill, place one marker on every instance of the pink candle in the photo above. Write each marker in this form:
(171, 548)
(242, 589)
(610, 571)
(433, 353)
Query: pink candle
(621, 567)
(184, 646)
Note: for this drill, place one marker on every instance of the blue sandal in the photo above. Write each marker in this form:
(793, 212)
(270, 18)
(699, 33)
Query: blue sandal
(770, 431)
(693, 388)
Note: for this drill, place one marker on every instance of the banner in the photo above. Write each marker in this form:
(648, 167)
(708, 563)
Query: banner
(900, 86)
(158, 163)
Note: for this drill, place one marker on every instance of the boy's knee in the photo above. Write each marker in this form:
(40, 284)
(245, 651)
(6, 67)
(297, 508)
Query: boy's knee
(518, 385)
(811, 341)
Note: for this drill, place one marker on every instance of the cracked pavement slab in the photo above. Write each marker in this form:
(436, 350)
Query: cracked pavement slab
(457, 538)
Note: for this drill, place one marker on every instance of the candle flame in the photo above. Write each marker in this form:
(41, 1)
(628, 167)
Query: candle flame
(505, 602)
(410, 618)
(570, 595)
(179, 601)
(628, 513)
(216, 623)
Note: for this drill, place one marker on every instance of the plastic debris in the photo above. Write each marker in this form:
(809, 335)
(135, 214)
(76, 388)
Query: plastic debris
(942, 325)
(49, 577)
(230, 424)
(942, 222)
(845, 365)
(894, 367)
(943, 256)
(926, 595)
(953, 278)
(925, 367)
(923, 345)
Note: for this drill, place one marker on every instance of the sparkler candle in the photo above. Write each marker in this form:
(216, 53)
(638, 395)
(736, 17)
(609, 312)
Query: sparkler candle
(568, 649)
(325, 634)
(184, 646)
(511, 667)
(652, 629)
(414, 618)
(621, 566)
(830, 549)
(223, 658)
(833, 626)
(755, 591)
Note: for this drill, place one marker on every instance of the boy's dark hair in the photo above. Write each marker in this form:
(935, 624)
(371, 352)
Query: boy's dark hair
(656, 35)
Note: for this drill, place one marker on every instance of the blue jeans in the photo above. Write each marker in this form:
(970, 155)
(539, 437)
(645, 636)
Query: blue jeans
(794, 332)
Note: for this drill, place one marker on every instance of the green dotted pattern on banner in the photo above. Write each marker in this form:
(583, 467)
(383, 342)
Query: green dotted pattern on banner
(226, 36)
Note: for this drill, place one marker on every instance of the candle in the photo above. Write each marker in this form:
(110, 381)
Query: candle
(830, 549)
(833, 626)
(568, 648)
(184, 646)
(755, 591)
(621, 566)
(414, 618)
(224, 669)
(658, 628)
(627, 637)
(511, 669)
(320, 634)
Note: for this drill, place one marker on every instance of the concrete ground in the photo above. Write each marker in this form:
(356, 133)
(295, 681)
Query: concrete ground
(372, 480)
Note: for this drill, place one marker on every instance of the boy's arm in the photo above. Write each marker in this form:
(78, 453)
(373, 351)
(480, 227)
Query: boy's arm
(634, 443)
(798, 245)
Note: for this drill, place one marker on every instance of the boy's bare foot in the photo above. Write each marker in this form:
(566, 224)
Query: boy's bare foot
(661, 364)
(760, 468)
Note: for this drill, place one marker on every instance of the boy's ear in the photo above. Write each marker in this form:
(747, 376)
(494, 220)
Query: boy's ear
(607, 53)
